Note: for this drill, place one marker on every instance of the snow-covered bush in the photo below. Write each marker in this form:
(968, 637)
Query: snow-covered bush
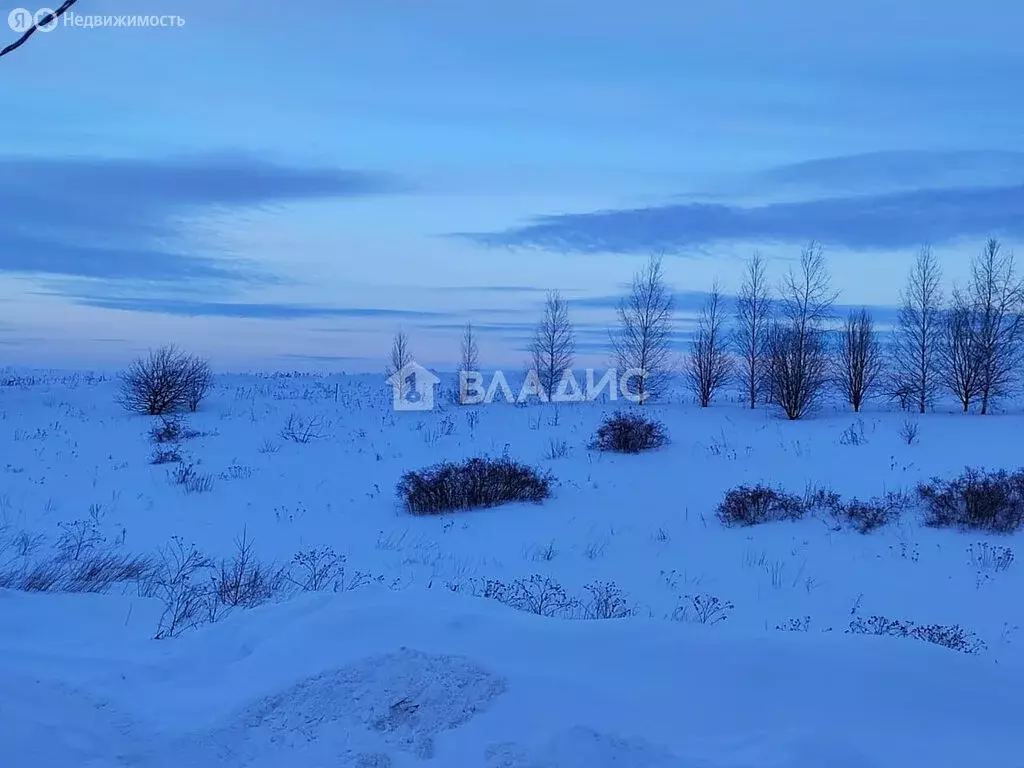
(976, 500)
(756, 504)
(629, 433)
(955, 637)
(165, 381)
(471, 484)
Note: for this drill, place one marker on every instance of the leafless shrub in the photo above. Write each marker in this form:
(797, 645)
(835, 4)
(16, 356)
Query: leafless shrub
(703, 609)
(909, 431)
(870, 515)
(854, 434)
(606, 600)
(471, 484)
(918, 339)
(753, 505)
(198, 380)
(642, 343)
(976, 500)
(79, 538)
(859, 364)
(303, 429)
(708, 366)
(243, 581)
(538, 594)
(987, 557)
(165, 456)
(625, 432)
(318, 569)
(160, 383)
(190, 479)
(182, 583)
(955, 637)
(553, 346)
(557, 449)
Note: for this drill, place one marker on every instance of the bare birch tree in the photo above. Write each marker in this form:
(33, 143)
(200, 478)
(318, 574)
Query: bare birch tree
(643, 340)
(959, 358)
(401, 356)
(708, 366)
(997, 297)
(470, 351)
(859, 364)
(469, 361)
(753, 322)
(918, 337)
(553, 345)
(797, 354)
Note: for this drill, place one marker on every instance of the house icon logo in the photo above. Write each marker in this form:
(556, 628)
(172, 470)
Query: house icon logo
(412, 388)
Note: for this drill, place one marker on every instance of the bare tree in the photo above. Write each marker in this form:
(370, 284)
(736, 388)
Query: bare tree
(708, 366)
(470, 360)
(553, 345)
(42, 23)
(798, 357)
(959, 358)
(860, 363)
(642, 343)
(401, 356)
(918, 338)
(753, 320)
(997, 297)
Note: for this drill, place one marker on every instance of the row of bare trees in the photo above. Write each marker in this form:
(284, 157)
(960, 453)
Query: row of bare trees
(785, 349)
(783, 344)
(972, 346)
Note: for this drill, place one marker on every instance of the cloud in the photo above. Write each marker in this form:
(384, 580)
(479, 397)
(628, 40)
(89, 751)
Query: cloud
(123, 219)
(882, 221)
(258, 311)
(878, 171)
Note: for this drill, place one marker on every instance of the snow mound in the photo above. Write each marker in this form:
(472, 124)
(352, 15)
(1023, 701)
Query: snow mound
(584, 748)
(350, 717)
(51, 724)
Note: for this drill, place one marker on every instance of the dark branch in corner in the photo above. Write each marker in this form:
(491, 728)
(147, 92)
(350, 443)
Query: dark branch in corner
(47, 19)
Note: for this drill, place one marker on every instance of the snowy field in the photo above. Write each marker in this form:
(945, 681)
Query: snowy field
(409, 664)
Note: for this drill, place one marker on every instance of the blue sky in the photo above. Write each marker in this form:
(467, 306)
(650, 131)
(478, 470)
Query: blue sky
(274, 183)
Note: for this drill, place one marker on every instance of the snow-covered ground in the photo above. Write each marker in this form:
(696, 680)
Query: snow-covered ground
(404, 666)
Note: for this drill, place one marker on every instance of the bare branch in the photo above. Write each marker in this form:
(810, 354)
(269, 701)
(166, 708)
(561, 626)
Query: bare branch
(49, 18)
(708, 366)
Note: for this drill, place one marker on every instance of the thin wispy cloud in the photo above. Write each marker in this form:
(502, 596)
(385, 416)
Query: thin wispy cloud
(124, 219)
(252, 311)
(870, 222)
